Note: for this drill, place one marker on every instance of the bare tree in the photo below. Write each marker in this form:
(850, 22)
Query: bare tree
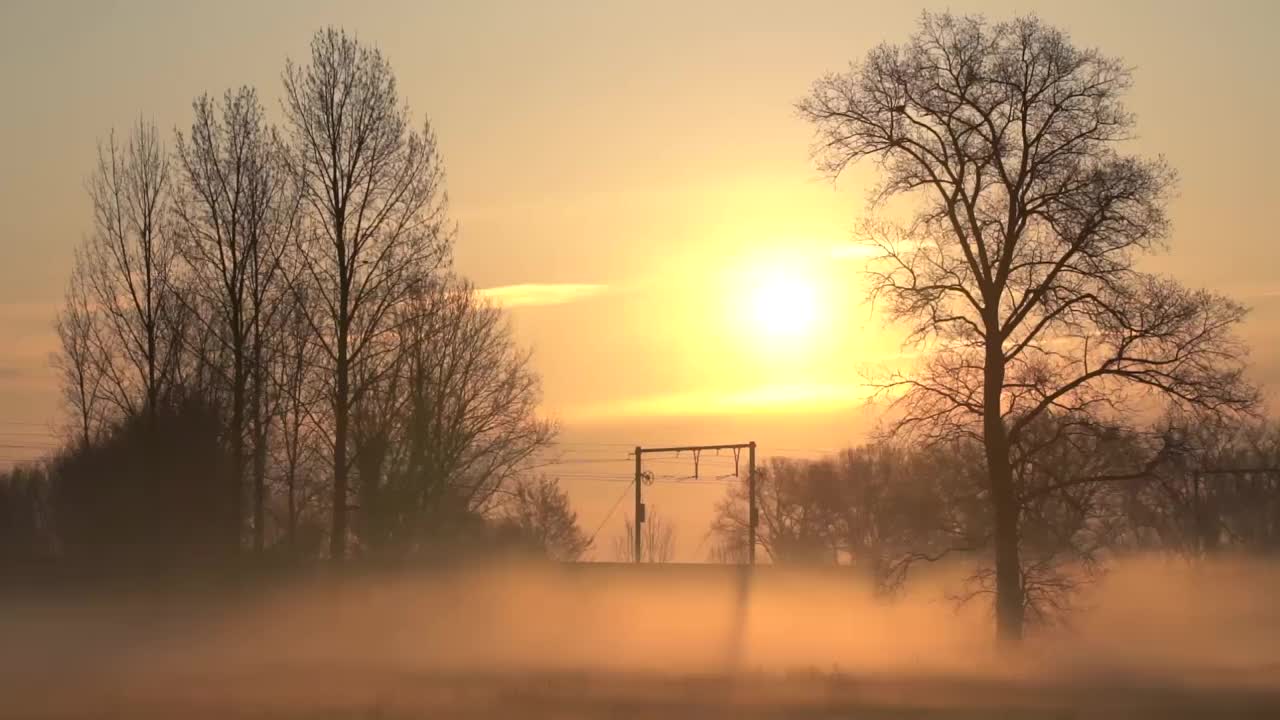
(1018, 274)
(452, 420)
(1067, 525)
(26, 527)
(657, 540)
(1221, 490)
(272, 220)
(151, 489)
(472, 394)
(236, 216)
(374, 194)
(297, 412)
(77, 361)
(538, 512)
(868, 507)
(130, 265)
(727, 550)
(798, 510)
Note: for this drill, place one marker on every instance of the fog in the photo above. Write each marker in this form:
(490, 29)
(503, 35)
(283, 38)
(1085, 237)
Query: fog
(540, 639)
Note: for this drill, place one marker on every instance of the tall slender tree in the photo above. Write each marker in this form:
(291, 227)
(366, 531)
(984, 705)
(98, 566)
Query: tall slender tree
(131, 265)
(376, 226)
(295, 412)
(236, 217)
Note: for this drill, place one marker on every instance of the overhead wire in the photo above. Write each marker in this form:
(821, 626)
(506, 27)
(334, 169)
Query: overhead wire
(608, 515)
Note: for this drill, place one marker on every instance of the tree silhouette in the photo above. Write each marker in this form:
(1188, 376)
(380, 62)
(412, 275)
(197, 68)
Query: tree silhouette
(236, 214)
(537, 514)
(1220, 490)
(26, 526)
(150, 494)
(867, 506)
(657, 539)
(1018, 272)
(375, 218)
(78, 360)
(130, 267)
(297, 417)
(448, 422)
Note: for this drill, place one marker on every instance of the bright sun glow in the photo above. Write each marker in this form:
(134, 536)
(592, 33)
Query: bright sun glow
(784, 305)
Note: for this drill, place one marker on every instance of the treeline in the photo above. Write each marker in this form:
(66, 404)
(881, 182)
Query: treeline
(1190, 486)
(264, 349)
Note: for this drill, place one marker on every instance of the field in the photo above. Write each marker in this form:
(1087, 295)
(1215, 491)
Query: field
(613, 642)
(370, 693)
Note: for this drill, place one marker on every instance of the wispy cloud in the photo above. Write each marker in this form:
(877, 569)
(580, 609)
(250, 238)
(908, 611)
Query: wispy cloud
(856, 251)
(870, 250)
(536, 294)
(805, 397)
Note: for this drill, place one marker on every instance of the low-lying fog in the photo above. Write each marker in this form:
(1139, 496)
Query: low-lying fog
(369, 641)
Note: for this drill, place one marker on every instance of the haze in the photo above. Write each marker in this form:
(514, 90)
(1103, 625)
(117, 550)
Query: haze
(708, 359)
(618, 173)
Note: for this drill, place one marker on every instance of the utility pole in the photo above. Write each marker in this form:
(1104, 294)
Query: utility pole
(752, 514)
(639, 505)
(751, 504)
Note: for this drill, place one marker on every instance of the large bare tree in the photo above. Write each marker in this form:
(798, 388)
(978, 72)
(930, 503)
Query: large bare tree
(236, 211)
(1018, 273)
(373, 189)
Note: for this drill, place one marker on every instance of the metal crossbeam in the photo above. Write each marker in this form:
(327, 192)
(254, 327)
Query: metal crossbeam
(752, 515)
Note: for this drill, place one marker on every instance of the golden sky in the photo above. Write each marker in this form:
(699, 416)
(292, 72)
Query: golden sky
(631, 180)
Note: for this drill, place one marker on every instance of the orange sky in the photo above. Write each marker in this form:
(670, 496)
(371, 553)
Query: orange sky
(625, 175)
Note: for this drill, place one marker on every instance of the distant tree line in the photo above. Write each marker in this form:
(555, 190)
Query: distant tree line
(264, 350)
(1191, 487)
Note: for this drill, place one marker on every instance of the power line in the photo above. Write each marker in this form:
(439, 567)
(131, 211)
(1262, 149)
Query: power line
(577, 461)
(594, 476)
(696, 452)
(659, 479)
(608, 515)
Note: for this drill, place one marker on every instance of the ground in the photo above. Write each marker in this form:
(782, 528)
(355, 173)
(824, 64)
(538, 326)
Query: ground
(1160, 640)
(280, 695)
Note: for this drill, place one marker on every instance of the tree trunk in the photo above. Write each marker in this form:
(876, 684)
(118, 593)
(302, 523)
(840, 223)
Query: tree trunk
(237, 451)
(259, 481)
(153, 396)
(1004, 501)
(259, 448)
(341, 411)
(293, 512)
(85, 420)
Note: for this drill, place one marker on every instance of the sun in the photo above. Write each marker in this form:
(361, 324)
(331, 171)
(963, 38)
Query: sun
(784, 304)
